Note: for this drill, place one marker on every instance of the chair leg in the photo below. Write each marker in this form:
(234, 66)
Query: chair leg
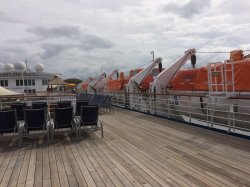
(20, 136)
(48, 136)
(52, 134)
(76, 132)
(79, 132)
(101, 128)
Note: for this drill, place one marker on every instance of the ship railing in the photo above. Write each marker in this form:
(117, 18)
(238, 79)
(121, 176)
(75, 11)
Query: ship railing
(219, 113)
(50, 98)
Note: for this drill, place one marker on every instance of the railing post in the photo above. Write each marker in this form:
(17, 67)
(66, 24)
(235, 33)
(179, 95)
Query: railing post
(189, 110)
(169, 107)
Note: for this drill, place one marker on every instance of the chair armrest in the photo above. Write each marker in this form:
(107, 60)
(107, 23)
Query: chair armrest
(51, 124)
(76, 121)
(21, 124)
(77, 118)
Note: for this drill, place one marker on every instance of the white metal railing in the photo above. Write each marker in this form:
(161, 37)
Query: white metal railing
(216, 112)
(213, 112)
(50, 98)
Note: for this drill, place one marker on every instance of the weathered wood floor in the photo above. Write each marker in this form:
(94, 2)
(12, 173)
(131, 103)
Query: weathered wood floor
(137, 150)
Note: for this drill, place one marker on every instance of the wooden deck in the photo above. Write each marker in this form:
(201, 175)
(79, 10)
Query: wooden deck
(137, 150)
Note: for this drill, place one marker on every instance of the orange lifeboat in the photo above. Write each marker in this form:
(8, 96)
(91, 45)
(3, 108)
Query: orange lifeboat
(119, 83)
(150, 78)
(197, 79)
(85, 83)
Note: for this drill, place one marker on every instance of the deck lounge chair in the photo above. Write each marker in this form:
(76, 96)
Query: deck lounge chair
(19, 107)
(8, 122)
(106, 103)
(39, 105)
(63, 104)
(63, 118)
(80, 103)
(89, 118)
(35, 120)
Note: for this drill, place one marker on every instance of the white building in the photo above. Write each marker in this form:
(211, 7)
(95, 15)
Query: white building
(20, 79)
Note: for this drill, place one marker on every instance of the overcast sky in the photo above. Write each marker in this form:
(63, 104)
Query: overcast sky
(78, 38)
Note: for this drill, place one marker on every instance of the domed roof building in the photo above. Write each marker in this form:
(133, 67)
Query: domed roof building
(19, 66)
(9, 67)
(19, 78)
(39, 67)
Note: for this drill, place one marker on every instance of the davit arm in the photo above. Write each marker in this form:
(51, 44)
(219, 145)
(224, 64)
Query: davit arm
(164, 78)
(93, 84)
(135, 81)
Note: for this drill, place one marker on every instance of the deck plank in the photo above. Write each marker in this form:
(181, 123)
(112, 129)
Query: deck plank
(38, 178)
(32, 166)
(10, 167)
(98, 155)
(96, 165)
(137, 150)
(60, 166)
(53, 167)
(77, 172)
(24, 170)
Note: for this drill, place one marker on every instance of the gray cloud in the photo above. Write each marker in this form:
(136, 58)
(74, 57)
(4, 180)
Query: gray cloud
(192, 8)
(60, 31)
(5, 18)
(8, 54)
(85, 44)
(111, 5)
(51, 50)
(90, 42)
(65, 38)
